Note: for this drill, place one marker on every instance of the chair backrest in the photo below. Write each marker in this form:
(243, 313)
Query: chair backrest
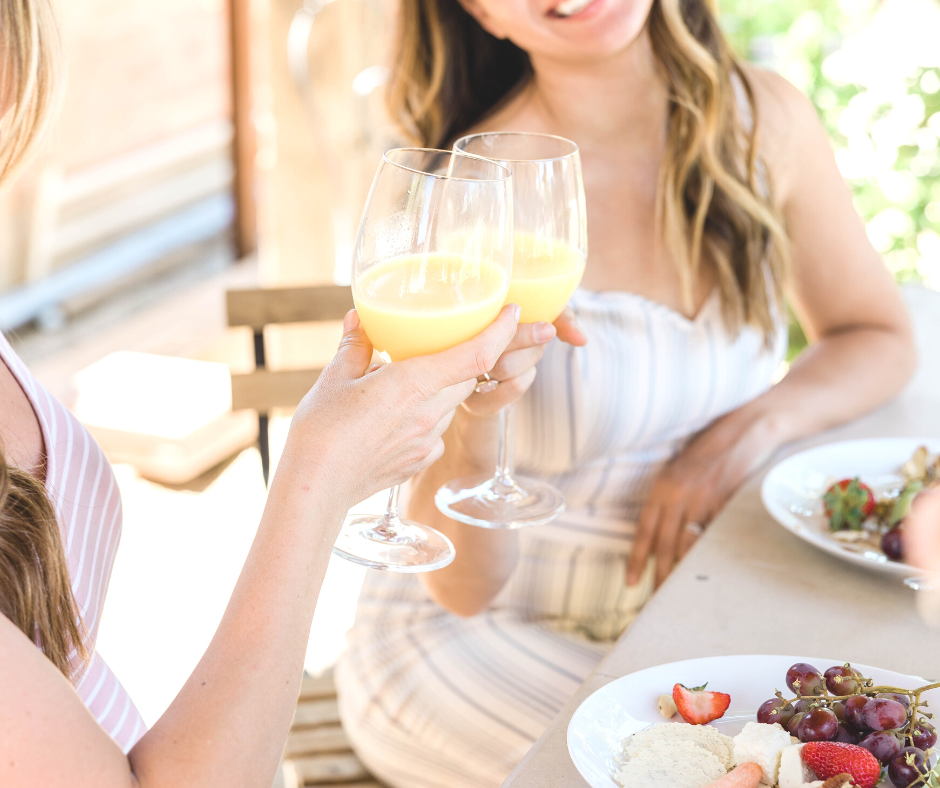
(263, 389)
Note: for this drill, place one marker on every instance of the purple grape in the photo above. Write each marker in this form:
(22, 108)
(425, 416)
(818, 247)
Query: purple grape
(853, 711)
(892, 543)
(881, 714)
(794, 723)
(841, 680)
(775, 710)
(805, 704)
(818, 725)
(907, 766)
(884, 745)
(924, 735)
(845, 735)
(904, 700)
(804, 679)
(838, 708)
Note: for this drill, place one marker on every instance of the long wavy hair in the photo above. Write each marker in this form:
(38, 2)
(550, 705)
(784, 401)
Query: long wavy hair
(30, 75)
(35, 590)
(715, 200)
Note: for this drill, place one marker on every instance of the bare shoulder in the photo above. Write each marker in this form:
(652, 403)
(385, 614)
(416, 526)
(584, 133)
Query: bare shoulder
(787, 124)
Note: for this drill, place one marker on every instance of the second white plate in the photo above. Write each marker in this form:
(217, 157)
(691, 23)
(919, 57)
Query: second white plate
(792, 491)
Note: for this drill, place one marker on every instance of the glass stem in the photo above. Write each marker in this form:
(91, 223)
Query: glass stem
(504, 451)
(387, 526)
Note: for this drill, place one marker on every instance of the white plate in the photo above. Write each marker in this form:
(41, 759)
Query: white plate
(627, 705)
(792, 491)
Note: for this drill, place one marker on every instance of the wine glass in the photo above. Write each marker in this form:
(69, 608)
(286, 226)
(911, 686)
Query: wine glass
(431, 269)
(550, 249)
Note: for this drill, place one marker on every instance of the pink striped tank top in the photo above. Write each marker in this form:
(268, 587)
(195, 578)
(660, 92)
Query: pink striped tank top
(87, 503)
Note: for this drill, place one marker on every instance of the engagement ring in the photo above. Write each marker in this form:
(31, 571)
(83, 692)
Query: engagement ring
(696, 529)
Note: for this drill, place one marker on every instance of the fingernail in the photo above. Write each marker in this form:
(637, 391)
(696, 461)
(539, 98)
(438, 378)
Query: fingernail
(543, 332)
(516, 312)
(351, 320)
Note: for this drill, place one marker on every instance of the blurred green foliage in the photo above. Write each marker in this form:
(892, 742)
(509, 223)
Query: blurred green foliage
(875, 81)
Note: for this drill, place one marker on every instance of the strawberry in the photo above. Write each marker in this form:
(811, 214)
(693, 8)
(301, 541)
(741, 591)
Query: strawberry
(829, 758)
(697, 706)
(848, 504)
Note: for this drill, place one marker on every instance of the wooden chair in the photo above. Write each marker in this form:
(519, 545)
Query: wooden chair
(317, 751)
(263, 389)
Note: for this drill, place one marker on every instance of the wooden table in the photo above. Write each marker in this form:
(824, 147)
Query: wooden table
(751, 587)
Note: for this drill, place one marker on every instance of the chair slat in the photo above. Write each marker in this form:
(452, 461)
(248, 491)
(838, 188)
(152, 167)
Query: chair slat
(320, 687)
(316, 712)
(264, 306)
(313, 741)
(319, 769)
(263, 390)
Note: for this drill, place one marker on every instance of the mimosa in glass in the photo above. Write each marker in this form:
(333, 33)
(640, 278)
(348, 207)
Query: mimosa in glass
(549, 253)
(431, 269)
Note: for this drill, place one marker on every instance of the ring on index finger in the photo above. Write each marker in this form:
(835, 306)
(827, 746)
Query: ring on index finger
(485, 384)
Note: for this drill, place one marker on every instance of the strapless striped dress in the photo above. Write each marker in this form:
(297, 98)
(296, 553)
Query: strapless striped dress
(431, 699)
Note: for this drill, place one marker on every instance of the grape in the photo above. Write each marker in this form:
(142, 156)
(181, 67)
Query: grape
(794, 723)
(841, 680)
(838, 708)
(805, 704)
(892, 543)
(853, 711)
(924, 735)
(845, 735)
(881, 714)
(775, 710)
(804, 679)
(907, 766)
(884, 745)
(904, 700)
(818, 725)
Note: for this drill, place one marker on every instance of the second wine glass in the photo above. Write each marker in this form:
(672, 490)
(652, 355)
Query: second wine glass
(549, 253)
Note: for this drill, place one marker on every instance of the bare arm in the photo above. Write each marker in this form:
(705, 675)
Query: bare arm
(485, 558)
(861, 353)
(354, 434)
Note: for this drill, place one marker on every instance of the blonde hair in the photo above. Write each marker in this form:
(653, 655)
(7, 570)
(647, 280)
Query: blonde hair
(35, 589)
(29, 77)
(715, 205)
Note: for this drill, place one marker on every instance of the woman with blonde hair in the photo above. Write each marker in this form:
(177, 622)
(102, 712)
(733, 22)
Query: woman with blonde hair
(65, 718)
(713, 200)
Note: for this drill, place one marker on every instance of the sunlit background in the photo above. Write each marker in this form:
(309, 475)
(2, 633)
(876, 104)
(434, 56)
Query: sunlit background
(119, 242)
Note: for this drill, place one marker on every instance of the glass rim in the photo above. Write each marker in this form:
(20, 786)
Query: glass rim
(575, 149)
(502, 179)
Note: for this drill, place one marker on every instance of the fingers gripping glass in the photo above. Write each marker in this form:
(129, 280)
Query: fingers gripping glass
(550, 249)
(431, 269)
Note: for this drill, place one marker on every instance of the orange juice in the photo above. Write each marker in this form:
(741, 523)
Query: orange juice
(418, 304)
(545, 274)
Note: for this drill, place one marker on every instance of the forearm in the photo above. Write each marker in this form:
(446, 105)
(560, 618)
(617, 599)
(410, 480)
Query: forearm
(485, 558)
(228, 724)
(839, 378)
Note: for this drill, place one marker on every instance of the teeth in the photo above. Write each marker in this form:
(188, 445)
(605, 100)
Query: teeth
(571, 7)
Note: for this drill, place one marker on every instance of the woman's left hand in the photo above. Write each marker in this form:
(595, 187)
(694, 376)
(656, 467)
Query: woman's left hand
(692, 488)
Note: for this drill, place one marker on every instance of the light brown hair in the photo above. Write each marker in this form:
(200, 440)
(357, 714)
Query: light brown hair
(35, 590)
(30, 72)
(714, 205)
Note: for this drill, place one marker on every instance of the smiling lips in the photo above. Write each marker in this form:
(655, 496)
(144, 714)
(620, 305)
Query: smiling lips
(569, 8)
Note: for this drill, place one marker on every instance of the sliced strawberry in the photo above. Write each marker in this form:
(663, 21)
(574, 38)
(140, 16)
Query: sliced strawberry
(848, 504)
(829, 758)
(697, 706)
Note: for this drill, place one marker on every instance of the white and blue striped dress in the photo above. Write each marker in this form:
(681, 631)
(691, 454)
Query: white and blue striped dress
(431, 699)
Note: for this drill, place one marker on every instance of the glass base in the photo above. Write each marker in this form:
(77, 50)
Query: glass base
(487, 502)
(393, 545)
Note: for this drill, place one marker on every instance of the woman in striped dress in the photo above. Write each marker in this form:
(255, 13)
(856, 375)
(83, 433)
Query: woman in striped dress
(712, 195)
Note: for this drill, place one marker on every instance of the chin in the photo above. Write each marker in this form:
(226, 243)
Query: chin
(593, 29)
